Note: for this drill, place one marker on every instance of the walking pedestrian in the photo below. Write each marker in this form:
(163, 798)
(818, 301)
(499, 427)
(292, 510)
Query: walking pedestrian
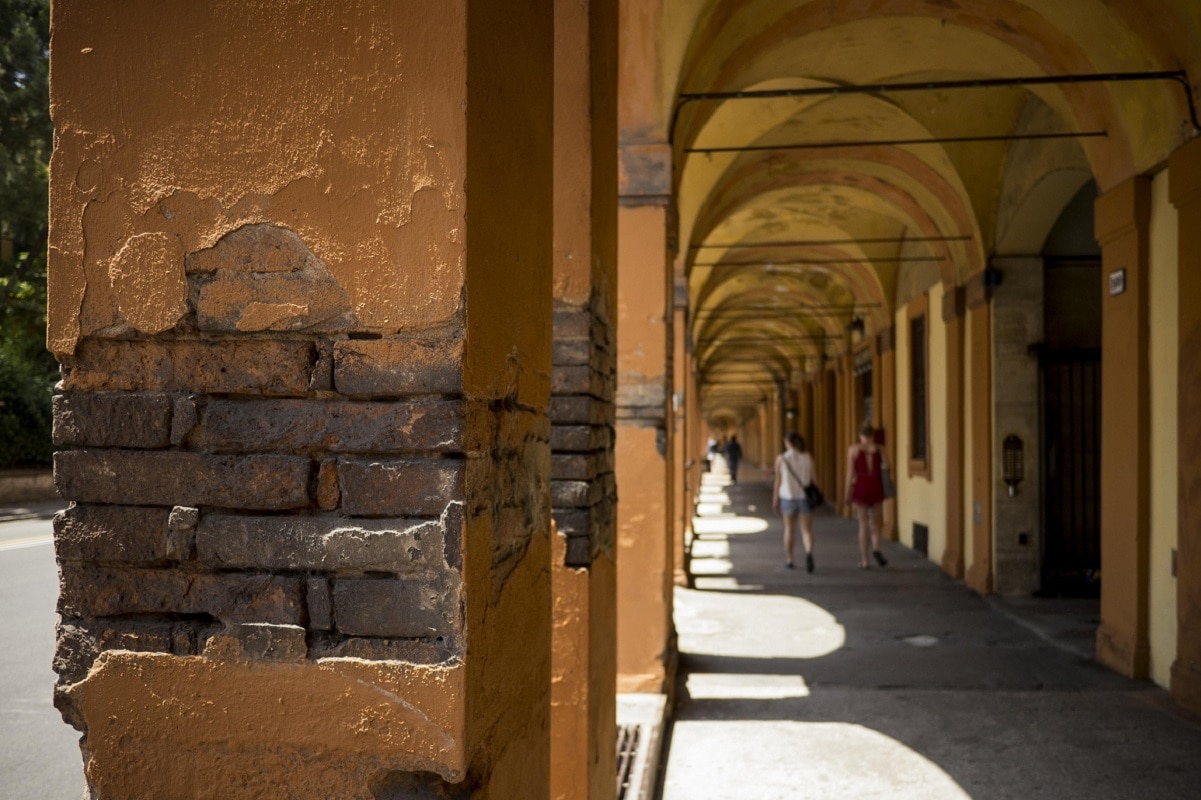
(710, 454)
(865, 492)
(794, 471)
(733, 456)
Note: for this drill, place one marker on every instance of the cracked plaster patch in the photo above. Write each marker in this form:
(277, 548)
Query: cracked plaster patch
(147, 276)
(263, 278)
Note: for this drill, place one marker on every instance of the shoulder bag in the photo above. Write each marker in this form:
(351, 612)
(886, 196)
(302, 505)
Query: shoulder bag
(813, 495)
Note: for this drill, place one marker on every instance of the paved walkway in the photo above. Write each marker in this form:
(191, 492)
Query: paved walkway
(892, 683)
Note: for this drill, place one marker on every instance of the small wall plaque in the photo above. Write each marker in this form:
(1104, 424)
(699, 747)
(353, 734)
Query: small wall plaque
(1117, 282)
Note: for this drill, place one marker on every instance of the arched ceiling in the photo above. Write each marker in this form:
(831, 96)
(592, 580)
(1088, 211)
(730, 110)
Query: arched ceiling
(782, 247)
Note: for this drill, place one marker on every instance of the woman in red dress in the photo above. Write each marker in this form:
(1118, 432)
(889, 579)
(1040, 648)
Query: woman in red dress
(865, 491)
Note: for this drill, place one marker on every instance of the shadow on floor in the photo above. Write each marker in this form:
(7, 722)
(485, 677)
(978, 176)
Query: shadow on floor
(893, 682)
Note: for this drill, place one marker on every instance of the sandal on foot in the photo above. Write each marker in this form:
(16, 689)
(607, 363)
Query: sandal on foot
(880, 559)
(809, 562)
(788, 565)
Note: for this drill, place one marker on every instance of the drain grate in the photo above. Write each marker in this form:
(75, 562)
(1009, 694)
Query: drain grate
(627, 756)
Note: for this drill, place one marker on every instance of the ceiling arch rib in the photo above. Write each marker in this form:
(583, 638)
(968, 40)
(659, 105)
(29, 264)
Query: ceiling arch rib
(842, 188)
(871, 181)
(864, 43)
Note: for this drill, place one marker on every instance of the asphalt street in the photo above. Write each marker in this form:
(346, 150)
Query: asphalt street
(39, 753)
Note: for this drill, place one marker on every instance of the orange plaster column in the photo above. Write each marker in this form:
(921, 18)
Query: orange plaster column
(680, 456)
(305, 439)
(806, 404)
(646, 225)
(696, 437)
(645, 571)
(885, 372)
(977, 296)
(952, 315)
(845, 431)
(583, 565)
(1122, 219)
(823, 442)
(1184, 171)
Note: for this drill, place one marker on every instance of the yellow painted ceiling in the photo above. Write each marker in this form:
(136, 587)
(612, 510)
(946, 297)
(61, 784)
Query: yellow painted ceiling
(783, 248)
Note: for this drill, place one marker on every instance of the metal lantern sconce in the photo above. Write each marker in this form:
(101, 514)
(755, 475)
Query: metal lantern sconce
(856, 329)
(1012, 463)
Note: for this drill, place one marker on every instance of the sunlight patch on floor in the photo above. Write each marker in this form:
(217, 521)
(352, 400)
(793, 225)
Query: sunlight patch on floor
(759, 626)
(731, 525)
(715, 686)
(735, 759)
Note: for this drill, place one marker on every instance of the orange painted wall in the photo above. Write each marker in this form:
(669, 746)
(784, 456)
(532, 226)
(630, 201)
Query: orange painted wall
(1122, 218)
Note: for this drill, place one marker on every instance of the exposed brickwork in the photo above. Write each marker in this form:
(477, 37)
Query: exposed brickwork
(583, 486)
(264, 481)
(365, 607)
(302, 496)
(233, 366)
(389, 367)
(113, 419)
(326, 544)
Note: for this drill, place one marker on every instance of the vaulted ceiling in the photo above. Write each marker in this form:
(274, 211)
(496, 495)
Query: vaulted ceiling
(802, 211)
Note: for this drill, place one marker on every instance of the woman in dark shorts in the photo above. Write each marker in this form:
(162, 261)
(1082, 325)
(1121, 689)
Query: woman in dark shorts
(865, 492)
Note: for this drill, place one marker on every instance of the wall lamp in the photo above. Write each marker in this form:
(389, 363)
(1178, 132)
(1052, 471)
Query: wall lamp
(1012, 463)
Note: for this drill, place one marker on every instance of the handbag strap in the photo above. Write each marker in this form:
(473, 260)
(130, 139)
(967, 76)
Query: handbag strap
(802, 484)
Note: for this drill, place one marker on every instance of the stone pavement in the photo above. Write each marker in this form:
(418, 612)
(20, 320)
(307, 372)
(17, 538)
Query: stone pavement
(893, 683)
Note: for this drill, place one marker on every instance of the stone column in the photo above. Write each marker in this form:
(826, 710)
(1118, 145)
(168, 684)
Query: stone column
(952, 315)
(583, 569)
(303, 429)
(1185, 186)
(1122, 220)
(977, 297)
(1017, 319)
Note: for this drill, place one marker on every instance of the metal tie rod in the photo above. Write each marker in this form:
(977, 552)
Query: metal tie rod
(1005, 137)
(1178, 76)
(822, 242)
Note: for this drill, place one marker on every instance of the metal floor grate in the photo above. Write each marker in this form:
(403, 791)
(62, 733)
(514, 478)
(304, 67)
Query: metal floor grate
(627, 756)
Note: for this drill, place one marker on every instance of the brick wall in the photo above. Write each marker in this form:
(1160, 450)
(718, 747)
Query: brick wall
(275, 489)
(583, 485)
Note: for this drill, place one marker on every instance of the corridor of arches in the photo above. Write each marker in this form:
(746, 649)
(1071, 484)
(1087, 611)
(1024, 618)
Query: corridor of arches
(393, 334)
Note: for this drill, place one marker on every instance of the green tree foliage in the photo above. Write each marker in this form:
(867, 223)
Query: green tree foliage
(26, 137)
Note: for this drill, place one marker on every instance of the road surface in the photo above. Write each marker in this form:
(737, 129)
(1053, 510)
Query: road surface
(39, 753)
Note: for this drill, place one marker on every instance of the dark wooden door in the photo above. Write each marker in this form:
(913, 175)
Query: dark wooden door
(1071, 456)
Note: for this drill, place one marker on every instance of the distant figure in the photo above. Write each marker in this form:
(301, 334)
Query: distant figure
(710, 454)
(733, 456)
(865, 491)
(794, 471)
